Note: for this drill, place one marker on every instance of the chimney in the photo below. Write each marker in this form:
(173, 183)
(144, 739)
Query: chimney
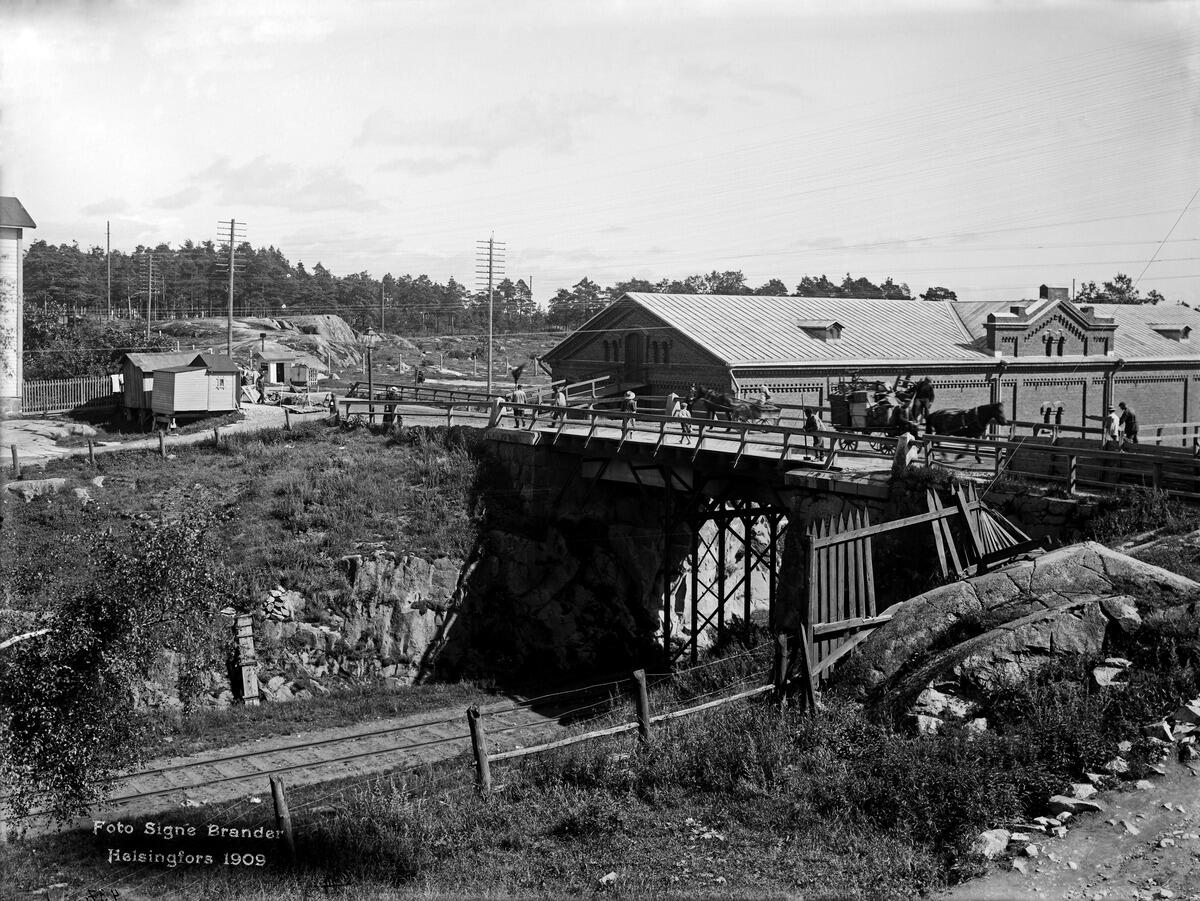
(1048, 293)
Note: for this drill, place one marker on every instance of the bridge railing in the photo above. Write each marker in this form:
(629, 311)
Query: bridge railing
(1040, 460)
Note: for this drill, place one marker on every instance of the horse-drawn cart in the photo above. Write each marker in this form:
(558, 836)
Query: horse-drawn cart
(870, 408)
(716, 405)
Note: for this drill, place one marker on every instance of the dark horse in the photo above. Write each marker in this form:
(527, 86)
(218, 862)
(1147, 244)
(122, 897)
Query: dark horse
(965, 423)
(716, 405)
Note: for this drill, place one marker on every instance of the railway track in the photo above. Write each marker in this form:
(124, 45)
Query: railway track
(233, 773)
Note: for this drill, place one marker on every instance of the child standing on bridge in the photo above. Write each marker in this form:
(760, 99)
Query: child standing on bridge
(560, 404)
(685, 422)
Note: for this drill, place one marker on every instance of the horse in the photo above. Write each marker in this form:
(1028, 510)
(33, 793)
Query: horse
(965, 423)
(715, 404)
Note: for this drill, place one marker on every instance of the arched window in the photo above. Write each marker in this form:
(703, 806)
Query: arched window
(616, 351)
(607, 351)
(1049, 339)
(666, 353)
(654, 352)
(1062, 341)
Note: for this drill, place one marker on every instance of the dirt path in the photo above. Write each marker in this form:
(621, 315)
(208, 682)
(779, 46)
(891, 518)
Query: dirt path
(1103, 857)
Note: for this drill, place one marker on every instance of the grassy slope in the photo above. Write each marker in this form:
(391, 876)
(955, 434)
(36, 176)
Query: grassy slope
(289, 504)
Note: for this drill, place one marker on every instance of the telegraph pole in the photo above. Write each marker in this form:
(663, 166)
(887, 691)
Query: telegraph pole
(495, 266)
(381, 306)
(235, 231)
(149, 294)
(108, 261)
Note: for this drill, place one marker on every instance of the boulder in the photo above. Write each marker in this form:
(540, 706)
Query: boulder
(1063, 804)
(1057, 584)
(83, 495)
(1108, 677)
(28, 489)
(1082, 791)
(991, 844)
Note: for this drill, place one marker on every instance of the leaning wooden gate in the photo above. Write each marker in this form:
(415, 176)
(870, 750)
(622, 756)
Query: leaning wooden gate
(840, 611)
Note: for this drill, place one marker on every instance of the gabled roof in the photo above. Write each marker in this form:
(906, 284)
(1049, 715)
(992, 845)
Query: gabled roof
(181, 369)
(1135, 337)
(149, 362)
(217, 362)
(750, 329)
(14, 215)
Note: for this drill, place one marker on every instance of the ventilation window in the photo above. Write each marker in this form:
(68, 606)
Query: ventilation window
(820, 329)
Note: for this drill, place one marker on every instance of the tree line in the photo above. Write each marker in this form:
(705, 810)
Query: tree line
(72, 316)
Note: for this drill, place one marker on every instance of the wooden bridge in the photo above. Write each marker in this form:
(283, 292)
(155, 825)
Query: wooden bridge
(728, 490)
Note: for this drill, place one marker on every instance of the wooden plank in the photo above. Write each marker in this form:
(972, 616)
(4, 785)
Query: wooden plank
(960, 500)
(564, 742)
(854, 571)
(841, 627)
(808, 541)
(1009, 553)
(868, 566)
(842, 652)
(938, 540)
(891, 525)
(837, 594)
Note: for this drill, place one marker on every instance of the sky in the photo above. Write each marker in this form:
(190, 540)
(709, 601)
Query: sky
(986, 147)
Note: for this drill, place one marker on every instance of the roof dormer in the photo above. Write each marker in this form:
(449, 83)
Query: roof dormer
(1172, 331)
(821, 329)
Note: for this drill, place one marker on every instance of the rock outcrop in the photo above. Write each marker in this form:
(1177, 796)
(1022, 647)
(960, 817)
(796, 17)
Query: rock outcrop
(1064, 600)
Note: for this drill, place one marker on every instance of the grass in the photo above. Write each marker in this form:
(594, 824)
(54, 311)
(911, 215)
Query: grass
(742, 801)
(1135, 510)
(292, 503)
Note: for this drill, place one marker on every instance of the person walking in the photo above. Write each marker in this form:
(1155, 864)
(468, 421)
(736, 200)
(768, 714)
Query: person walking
(685, 422)
(1129, 423)
(813, 423)
(519, 397)
(560, 405)
(1112, 430)
(629, 408)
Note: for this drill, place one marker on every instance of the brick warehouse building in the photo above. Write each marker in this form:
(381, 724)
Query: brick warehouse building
(1027, 354)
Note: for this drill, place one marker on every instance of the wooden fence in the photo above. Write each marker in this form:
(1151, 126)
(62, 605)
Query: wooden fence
(1171, 470)
(68, 395)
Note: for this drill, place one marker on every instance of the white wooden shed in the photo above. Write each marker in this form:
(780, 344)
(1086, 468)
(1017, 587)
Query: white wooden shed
(207, 384)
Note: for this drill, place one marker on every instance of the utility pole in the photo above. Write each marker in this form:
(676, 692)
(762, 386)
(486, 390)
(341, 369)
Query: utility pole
(235, 232)
(149, 294)
(108, 261)
(381, 296)
(495, 266)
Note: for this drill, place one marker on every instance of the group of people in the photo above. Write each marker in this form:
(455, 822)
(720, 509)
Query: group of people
(518, 397)
(1120, 429)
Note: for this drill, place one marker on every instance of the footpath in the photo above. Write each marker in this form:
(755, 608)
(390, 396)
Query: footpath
(1143, 846)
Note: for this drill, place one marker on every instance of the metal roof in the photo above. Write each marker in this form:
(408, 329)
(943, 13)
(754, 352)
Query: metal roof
(750, 329)
(1135, 337)
(14, 215)
(148, 362)
(181, 369)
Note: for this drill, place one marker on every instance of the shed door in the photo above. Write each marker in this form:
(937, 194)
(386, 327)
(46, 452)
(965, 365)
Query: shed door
(635, 355)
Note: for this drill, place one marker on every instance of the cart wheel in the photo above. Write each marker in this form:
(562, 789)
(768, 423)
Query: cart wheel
(878, 446)
(848, 444)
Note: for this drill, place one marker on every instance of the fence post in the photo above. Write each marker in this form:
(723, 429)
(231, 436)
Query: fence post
(16, 463)
(1158, 474)
(1072, 473)
(450, 416)
(483, 771)
(779, 670)
(216, 437)
(287, 419)
(642, 699)
(162, 444)
(283, 818)
(91, 453)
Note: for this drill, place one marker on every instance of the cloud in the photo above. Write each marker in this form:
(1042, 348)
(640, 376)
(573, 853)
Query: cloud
(268, 183)
(113, 206)
(430, 146)
(743, 79)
